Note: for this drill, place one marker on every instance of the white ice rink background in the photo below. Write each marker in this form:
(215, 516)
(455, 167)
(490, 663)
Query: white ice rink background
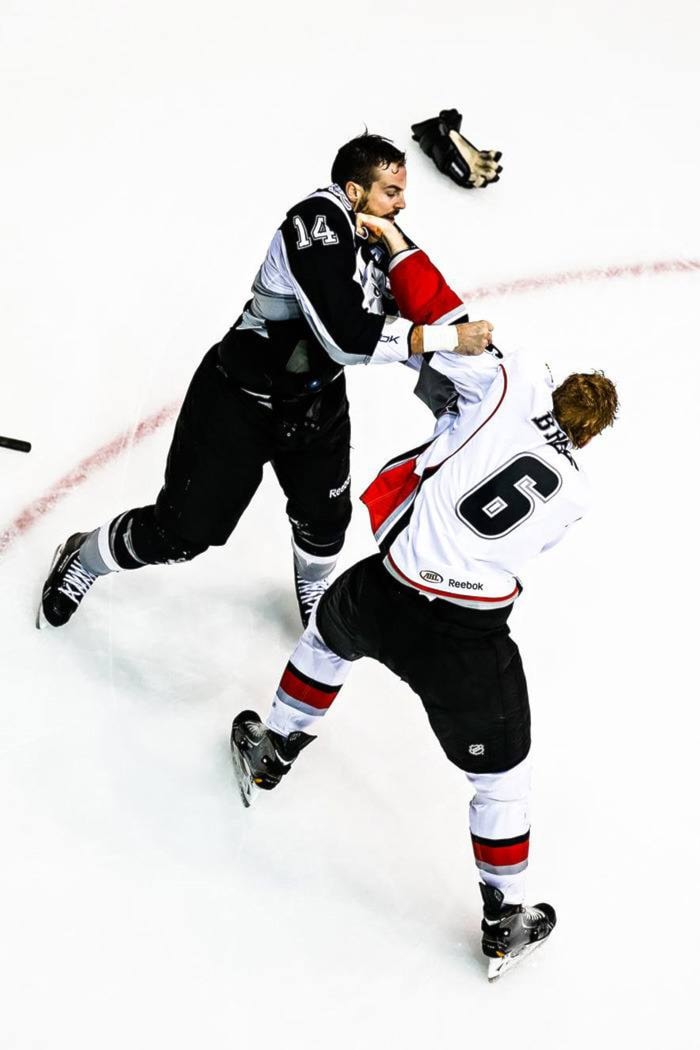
(148, 152)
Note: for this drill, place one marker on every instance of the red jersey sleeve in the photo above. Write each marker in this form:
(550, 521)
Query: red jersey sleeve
(422, 293)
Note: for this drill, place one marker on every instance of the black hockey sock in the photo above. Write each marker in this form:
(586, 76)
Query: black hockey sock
(316, 543)
(134, 539)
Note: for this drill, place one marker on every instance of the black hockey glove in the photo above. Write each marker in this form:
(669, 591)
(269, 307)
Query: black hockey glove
(454, 155)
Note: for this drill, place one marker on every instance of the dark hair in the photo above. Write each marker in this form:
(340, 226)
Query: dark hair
(357, 160)
(584, 404)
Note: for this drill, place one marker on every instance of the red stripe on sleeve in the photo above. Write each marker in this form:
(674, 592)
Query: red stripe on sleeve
(307, 694)
(421, 292)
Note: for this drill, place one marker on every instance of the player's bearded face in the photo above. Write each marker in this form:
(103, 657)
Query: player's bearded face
(386, 196)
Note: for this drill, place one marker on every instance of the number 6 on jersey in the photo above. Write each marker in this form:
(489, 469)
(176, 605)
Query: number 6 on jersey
(507, 498)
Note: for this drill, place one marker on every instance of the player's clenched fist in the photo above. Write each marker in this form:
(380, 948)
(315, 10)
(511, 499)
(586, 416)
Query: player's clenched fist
(382, 229)
(473, 338)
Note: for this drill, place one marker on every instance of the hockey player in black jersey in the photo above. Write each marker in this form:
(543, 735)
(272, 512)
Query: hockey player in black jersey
(273, 390)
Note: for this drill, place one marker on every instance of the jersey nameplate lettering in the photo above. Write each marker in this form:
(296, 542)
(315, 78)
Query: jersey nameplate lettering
(554, 436)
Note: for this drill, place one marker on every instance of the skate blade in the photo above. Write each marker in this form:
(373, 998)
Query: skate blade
(41, 621)
(497, 967)
(246, 787)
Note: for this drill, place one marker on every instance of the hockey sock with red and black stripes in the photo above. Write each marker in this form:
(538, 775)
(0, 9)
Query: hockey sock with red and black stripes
(310, 683)
(502, 860)
(500, 829)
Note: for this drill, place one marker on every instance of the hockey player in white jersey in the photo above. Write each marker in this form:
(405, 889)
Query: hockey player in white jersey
(456, 520)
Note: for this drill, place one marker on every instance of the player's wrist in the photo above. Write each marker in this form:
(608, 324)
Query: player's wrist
(394, 240)
(439, 338)
(382, 229)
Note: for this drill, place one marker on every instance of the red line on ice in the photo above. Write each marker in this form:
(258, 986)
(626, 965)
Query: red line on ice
(128, 438)
(114, 448)
(598, 273)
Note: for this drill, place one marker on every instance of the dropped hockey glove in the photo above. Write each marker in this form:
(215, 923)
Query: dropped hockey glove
(454, 155)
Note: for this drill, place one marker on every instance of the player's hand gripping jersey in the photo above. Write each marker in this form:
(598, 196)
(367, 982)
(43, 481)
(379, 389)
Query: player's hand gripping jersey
(321, 300)
(459, 516)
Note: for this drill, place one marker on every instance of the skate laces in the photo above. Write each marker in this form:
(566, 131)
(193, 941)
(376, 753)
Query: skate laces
(310, 591)
(527, 914)
(77, 581)
(533, 914)
(259, 735)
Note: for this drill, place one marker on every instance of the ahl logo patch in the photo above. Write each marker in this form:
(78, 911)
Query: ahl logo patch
(476, 749)
(430, 576)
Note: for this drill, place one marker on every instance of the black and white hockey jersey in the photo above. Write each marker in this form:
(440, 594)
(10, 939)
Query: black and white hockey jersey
(321, 300)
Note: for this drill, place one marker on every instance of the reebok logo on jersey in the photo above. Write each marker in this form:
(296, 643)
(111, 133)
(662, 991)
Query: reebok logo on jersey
(430, 576)
(388, 338)
(339, 491)
(465, 585)
(476, 749)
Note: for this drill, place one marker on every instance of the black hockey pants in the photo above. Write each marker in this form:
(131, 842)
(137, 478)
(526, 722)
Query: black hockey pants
(223, 438)
(462, 663)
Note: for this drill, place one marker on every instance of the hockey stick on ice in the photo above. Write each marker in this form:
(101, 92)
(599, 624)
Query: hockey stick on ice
(15, 444)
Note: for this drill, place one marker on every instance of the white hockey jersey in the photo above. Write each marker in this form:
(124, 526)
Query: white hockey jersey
(498, 484)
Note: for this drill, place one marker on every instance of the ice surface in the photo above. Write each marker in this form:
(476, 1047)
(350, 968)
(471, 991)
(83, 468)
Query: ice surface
(149, 151)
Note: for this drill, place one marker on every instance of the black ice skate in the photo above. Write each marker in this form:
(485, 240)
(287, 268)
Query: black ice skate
(512, 931)
(309, 593)
(66, 585)
(261, 757)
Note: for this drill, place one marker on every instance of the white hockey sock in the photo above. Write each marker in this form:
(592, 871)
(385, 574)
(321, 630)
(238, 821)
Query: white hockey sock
(500, 828)
(309, 685)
